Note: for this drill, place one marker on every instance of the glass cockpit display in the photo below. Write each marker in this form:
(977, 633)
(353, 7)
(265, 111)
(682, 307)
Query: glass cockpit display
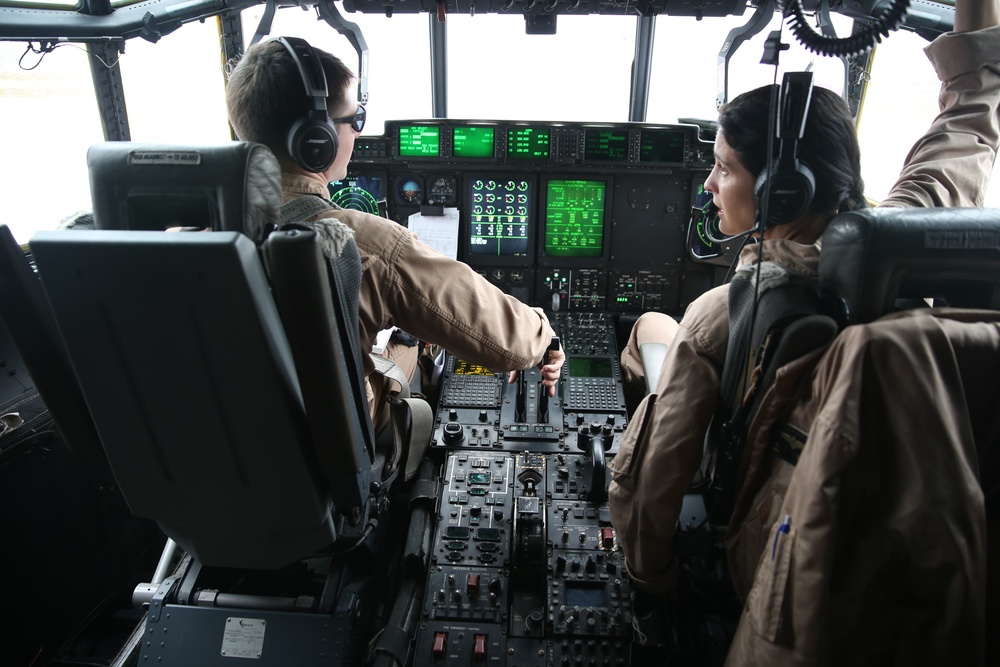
(419, 140)
(574, 218)
(525, 143)
(473, 141)
(499, 217)
(605, 145)
(359, 193)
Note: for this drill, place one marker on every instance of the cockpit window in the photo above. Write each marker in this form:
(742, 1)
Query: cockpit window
(399, 83)
(174, 88)
(579, 74)
(686, 76)
(51, 96)
(902, 96)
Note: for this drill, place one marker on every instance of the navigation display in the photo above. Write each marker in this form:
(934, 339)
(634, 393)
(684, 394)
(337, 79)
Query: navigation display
(359, 193)
(473, 142)
(606, 145)
(661, 146)
(574, 218)
(528, 142)
(419, 140)
(500, 216)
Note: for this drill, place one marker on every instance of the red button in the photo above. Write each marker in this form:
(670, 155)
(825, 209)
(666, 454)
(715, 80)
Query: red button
(472, 584)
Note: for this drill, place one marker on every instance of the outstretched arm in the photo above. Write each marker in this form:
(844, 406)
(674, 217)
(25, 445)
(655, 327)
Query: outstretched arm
(951, 164)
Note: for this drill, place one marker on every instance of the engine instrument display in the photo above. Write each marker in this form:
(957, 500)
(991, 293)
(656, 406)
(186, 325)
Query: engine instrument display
(500, 222)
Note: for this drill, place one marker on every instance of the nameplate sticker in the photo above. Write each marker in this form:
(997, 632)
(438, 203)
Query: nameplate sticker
(243, 637)
(184, 158)
(961, 239)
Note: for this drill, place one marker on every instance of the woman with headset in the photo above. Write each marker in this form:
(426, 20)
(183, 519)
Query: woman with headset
(949, 166)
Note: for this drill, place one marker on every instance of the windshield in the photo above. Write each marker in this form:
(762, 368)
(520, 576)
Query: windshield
(174, 88)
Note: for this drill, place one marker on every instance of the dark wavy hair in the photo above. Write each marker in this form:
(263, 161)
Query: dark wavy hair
(829, 144)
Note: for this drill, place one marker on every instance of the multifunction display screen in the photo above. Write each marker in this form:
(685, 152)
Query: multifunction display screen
(419, 140)
(500, 216)
(528, 142)
(361, 193)
(473, 142)
(606, 145)
(661, 146)
(574, 218)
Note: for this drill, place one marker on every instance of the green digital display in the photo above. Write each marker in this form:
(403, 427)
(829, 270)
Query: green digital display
(419, 141)
(527, 142)
(605, 145)
(574, 218)
(473, 142)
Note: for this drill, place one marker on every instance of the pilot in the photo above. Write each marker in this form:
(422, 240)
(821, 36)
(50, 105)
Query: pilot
(949, 166)
(404, 283)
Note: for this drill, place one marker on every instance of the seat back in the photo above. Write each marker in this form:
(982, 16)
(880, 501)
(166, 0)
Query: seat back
(229, 187)
(190, 379)
(873, 259)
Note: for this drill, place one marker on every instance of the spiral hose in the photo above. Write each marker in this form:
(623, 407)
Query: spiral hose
(886, 21)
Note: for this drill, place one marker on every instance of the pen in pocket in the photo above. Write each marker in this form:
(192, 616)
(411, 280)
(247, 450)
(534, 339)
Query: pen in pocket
(785, 526)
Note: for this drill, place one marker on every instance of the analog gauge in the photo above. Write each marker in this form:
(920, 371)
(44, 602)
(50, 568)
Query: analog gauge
(441, 191)
(410, 191)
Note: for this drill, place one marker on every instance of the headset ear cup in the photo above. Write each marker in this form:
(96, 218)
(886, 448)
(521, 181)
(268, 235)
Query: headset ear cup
(788, 192)
(312, 144)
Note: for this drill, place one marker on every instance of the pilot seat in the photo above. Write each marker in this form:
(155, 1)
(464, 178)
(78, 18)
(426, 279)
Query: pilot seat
(855, 477)
(225, 386)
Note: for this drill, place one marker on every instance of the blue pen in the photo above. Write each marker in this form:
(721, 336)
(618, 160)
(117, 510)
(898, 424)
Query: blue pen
(785, 526)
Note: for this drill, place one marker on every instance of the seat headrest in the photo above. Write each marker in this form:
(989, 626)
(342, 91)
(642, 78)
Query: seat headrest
(229, 187)
(872, 258)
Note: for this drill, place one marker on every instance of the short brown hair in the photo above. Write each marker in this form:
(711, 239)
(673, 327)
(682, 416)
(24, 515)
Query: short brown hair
(265, 94)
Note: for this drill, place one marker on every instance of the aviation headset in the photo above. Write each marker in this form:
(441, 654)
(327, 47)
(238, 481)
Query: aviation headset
(786, 186)
(312, 138)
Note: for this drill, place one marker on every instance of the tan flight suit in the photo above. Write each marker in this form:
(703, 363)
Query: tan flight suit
(408, 284)
(884, 557)
(662, 447)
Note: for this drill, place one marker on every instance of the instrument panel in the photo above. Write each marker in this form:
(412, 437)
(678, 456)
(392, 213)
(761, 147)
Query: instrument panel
(564, 216)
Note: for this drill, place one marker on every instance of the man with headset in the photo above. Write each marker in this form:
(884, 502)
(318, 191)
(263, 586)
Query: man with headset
(296, 100)
(949, 166)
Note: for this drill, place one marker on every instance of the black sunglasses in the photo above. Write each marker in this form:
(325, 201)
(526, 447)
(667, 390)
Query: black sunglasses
(357, 120)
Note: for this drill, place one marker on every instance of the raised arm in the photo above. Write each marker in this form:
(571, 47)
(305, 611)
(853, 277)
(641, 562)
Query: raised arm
(952, 163)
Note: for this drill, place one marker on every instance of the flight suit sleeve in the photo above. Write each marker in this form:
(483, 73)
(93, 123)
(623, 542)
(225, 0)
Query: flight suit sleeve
(950, 166)
(662, 446)
(443, 301)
